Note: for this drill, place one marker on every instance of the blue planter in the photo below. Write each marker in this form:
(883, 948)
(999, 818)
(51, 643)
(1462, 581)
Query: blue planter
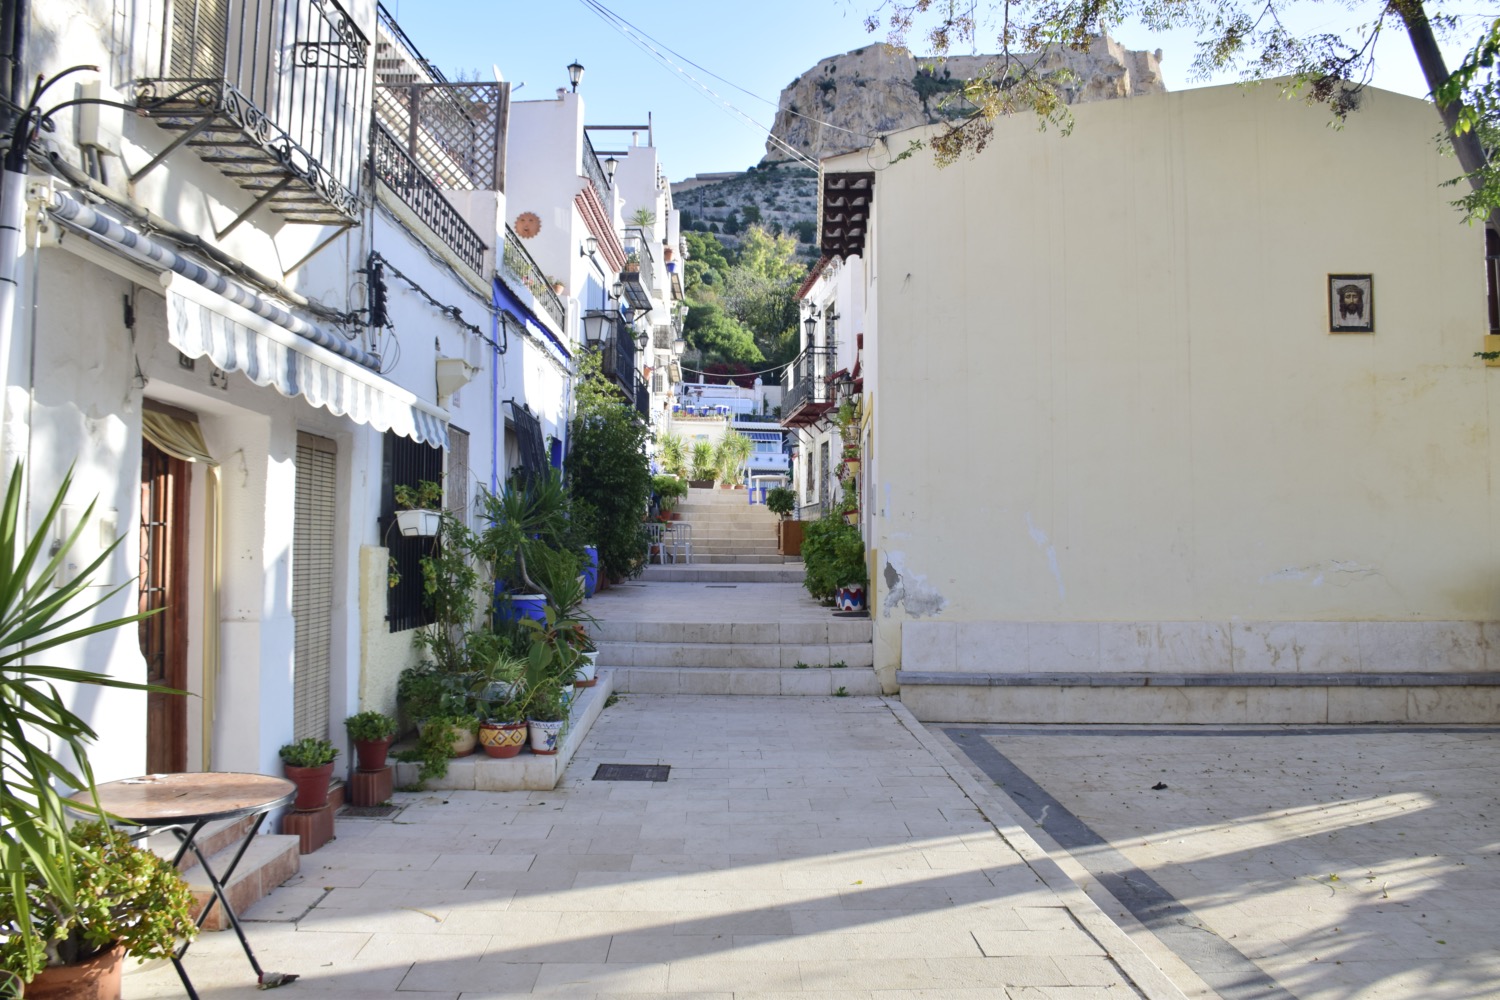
(517, 606)
(591, 571)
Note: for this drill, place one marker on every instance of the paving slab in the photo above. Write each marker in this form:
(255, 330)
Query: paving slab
(1285, 863)
(810, 847)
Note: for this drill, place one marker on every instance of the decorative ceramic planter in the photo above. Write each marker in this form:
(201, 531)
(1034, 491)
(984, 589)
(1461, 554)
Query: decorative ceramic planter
(850, 598)
(415, 523)
(370, 754)
(96, 978)
(463, 744)
(588, 670)
(546, 736)
(312, 785)
(502, 739)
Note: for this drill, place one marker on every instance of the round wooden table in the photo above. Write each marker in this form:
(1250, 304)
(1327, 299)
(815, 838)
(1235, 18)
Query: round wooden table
(184, 804)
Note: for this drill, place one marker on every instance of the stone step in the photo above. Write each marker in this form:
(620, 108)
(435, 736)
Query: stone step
(812, 682)
(751, 656)
(730, 526)
(270, 860)
(831, 630)
(733, 543)
(790, 571)
(744, 558)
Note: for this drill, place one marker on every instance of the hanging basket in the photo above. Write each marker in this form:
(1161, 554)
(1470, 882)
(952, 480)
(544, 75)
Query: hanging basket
(419, 523)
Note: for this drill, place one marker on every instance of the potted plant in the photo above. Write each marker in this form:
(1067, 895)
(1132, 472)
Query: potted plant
(371, 733)
(45, 869)
(833, 554)
(669, 491)
(128, 900)
(632, 263)
(419, 510)
(781, 501)
(308, 764)
(672, 452)
(704, 466)
(502, 727)
(730, 456)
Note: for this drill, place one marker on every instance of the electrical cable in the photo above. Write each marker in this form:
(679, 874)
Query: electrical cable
(817, 121)
(734, 375)
(640, 41)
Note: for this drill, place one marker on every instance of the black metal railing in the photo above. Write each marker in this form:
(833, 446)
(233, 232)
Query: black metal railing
(393, 167)
(805, 380)
(273, 93)
(594, 170)
(618, 363)
(405, 463)
(517, 264)
(643, 400)
(456, 130)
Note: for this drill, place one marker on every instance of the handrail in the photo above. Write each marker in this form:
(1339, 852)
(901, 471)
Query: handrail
(396, 169)
(517, 262)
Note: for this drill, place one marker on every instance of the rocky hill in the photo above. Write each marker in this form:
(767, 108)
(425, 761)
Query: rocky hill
(845, 101)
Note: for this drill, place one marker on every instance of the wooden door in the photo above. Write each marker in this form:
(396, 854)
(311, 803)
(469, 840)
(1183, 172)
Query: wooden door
(163, 583)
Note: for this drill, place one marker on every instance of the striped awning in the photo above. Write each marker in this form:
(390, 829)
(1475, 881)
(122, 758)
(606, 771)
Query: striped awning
(203, 325)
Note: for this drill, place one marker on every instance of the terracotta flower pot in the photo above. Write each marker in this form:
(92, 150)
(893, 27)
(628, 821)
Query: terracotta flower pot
(371, 753)
(96, 978)
(502, 739)
(312, 785)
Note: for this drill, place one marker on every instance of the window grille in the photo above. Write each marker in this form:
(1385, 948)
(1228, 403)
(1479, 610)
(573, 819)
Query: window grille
(406, 463)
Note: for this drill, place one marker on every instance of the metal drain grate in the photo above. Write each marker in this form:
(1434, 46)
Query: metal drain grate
(632, 772)
(721, 586)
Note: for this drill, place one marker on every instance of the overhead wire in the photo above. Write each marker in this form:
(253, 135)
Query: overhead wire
(649, 45)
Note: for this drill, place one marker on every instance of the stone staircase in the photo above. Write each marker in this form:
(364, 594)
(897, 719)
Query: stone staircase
(727, 528)
(270, 860)
(736, 628)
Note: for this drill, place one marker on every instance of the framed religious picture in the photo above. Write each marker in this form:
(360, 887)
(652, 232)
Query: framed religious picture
(1351, 303)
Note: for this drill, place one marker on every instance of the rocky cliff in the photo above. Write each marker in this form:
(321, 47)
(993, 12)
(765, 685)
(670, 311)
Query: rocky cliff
(844, 101)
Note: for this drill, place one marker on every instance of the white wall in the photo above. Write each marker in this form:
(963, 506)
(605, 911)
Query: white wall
(1108, 402)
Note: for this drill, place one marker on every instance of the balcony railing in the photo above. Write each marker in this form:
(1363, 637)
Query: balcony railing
(643, 400)
(393, 167)
(619, 363)
(275, 94)
(594, 170)
(454, 130)
(640, 283)
(805, 390)
(517, 264)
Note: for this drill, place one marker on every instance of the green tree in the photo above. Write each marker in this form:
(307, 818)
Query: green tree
(608, 471)
(1249, 38)
(719, 336)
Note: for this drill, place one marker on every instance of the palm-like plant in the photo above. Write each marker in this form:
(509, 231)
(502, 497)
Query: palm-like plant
(36, 725)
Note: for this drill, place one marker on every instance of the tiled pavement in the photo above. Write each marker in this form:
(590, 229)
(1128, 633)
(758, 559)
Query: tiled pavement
(802, 848)
(1275, 862)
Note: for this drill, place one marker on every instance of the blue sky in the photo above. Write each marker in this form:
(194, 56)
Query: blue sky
(760, 46)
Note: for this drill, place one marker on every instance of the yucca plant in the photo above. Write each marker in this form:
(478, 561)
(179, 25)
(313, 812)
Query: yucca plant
(36, 725)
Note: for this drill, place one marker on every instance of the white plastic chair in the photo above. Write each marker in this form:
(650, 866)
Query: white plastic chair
(679, 542)
(660, 544)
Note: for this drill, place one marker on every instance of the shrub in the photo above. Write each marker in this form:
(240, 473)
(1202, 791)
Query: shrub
(608, 469)
(308, 752)
(370, 727)
(834, 555)
(780, 500)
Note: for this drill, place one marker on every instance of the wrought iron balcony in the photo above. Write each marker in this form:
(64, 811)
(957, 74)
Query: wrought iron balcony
(594, 170)
(394, 168)
(275, 94)
(643, 401)
(618, 357)
(805, 391)
(454, 130)
(518, 267)
(639, 275)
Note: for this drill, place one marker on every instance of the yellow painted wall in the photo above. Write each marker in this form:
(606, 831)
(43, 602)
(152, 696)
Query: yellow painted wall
(1108, 391)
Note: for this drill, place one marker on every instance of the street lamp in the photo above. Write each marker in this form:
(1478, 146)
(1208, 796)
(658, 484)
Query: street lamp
(575, 73)
(598, 327)
(811, 326)
(843, 386)
(610, 164)
(679, 346)
(618, 290)
(589, 246)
